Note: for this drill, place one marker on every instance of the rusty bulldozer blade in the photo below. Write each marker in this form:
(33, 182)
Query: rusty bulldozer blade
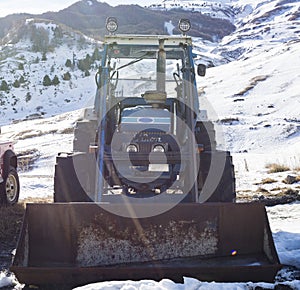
(79, 243)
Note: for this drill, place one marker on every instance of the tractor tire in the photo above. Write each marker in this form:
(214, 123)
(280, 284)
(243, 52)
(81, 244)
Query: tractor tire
(85, 133)
(205, 135)
(225, 189)
(69, 180)
(10, 187)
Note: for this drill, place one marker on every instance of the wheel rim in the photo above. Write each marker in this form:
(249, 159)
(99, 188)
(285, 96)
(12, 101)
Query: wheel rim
(11, 188)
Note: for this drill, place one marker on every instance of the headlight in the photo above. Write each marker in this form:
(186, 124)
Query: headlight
(184, 25)
(159, 148)
(111, 24)
(131, 148)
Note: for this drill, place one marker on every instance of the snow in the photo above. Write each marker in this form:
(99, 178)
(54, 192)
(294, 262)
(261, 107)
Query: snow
(46, 100)
(49, 141)
(285, 225)
(252, 95)
(212, 8)
(6, 281)
(169, 27)
(189, 284)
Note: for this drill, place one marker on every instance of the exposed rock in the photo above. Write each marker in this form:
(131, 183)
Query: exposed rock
(290, 179)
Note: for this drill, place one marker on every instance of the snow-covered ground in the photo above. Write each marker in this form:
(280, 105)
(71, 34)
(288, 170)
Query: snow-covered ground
(53, 135)
(189, 284)
(253, 96)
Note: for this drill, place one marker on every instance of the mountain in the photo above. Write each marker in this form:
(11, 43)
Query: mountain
(261, 27)
(253, 91)
(89, 16)
(243, 62)
(48, 61)
(135, 19)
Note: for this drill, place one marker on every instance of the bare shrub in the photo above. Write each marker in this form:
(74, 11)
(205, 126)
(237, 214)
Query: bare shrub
(268, 181)
(66, 131)
(275, 168)
(27, 158)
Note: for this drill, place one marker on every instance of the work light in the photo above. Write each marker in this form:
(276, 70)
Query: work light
(111, 24)
(184, 25)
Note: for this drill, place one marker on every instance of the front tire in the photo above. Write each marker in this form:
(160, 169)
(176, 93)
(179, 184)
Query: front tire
(10, 187)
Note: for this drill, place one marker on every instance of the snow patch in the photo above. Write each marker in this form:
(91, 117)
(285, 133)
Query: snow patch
(6, 281)
(169, 27)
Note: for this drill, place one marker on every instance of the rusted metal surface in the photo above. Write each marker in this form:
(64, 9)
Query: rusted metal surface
(80, 243)
(161, 241)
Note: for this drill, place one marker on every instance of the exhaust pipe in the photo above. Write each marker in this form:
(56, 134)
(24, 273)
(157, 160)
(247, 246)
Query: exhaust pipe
(161, 67)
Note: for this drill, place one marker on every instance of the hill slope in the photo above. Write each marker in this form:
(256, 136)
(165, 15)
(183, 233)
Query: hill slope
(88, 16)
(257, 92)
(46, 68)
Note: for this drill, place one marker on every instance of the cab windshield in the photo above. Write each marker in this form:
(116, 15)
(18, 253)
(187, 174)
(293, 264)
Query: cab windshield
(134, 70)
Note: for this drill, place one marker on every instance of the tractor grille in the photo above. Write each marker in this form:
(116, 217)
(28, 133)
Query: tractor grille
(146, 140)
(145, 147)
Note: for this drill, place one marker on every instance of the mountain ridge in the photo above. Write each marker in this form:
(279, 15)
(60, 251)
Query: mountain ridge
(89, 18)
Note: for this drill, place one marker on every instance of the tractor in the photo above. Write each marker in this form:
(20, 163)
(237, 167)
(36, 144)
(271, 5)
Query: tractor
(145, 193)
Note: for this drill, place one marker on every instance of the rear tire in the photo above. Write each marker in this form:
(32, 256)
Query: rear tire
(85, 134)
(10, 187)
(225, 189)
(205, 135)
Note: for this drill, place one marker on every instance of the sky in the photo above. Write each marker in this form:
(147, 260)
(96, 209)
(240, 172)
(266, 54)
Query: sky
(39, 6)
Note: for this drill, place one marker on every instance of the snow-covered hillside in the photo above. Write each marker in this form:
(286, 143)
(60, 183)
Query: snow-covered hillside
(38, 49)
(258, 96)
(261, 26)
(251, 92)
(216, 9)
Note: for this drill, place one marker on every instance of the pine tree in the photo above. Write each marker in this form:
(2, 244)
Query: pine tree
(21, 66)
(47, 81)
(22, 80)
(58, 32)
(55, 80)
(16, 84)
(4, 86)
(85, 64)
(96, 55)
(68, 63)
(28, 97)
(40, 39)
(44, 57)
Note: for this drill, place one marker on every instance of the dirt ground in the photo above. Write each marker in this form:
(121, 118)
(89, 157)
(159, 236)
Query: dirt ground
(11, 219)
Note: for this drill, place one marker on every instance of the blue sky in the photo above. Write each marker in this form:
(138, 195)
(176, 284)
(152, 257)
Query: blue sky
(40, 6)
